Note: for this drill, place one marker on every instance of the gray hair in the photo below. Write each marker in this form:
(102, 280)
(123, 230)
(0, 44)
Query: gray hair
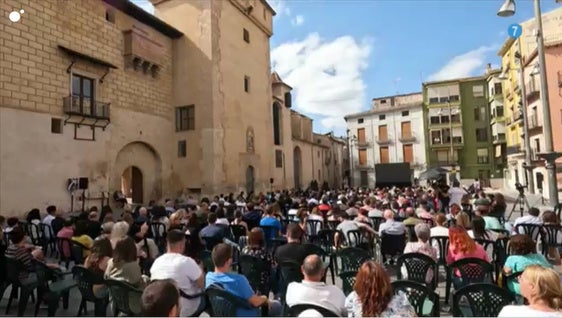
(422, 232)
(312, 265)
(120, 230)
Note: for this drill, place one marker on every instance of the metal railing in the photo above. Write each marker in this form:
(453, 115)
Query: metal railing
(86, 107)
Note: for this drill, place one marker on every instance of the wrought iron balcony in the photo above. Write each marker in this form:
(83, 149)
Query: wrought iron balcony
(446, 142)
(514, 150)
(407, 138)
(85, 107)
(534, 125)
(532, 91)
(362, 144)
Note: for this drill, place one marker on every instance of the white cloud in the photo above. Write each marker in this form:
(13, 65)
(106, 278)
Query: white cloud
(145, 5)
(464, 65)
(326, 76)
(297, 20)
(280, 7)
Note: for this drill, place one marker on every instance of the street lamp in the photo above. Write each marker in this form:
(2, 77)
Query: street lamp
(507, 10)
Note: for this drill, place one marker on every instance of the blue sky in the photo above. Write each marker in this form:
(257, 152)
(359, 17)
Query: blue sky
(339, 54)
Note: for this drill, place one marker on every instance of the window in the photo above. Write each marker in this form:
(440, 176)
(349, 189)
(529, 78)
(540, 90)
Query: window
(383, 101)
(361, 135)
(456, 118)
(436, 137)
(382, 117)
(483, 113)
(182, 149)
(481, 134)
(444, 157)
(498, 88)
(246, 35)
(406, 129)
(83, 94)
(482, 155)
(405, 113)
(110, 16)
(383, 133)
(383, 152)
(246, 84)
(185, 118)
(434, 100)
(478, 91)
(454, 98)
(56, 125)
(476, 114)
(279, 158)
(360, 120)
(408, 153)
(445, 119)
(362, 157)
(276, 124)
(435, 120)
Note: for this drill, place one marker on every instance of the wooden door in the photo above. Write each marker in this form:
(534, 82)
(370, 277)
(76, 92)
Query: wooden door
(383, 132)
(362, 157)
(384, 155)
(406, 129)
(408, 151)
(361, 135)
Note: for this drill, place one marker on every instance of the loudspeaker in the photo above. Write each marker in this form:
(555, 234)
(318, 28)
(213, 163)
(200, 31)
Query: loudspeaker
(83, 183)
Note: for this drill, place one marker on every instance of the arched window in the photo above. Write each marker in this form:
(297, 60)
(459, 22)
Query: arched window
(276, 124)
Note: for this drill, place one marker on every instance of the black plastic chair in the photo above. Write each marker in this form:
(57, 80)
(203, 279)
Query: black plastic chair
(289, 272)
(225, 304)
(326, 239)
(491, 245)
(49, 238)
(312, 229)
(484, 300)
(120, 294)
(348, 281)
(376, 221)
(62, 245)
(25, 287)
(442, 247)
(549, 237)
(237, 231)
(296, 310)
(86, 280)
(472, 271)
(417, 267)
(417, 295)
(77, 252)
(352, 258)
(533, 230)
(252, 267)
(35, 234)
(159, 235)
(51, 287)
(392, 246)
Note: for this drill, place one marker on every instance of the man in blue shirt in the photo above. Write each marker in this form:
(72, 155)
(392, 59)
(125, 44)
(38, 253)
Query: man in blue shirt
(271, 221)
(212, 234)
(237, 284)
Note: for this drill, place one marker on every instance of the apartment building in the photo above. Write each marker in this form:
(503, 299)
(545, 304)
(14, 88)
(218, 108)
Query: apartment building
(512, 53)
(457, 119)
(535, 120)
(392, 131)
(497, 120)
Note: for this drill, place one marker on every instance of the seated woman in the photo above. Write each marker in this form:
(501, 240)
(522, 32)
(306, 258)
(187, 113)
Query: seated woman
(523, 254)
(373, 295)
(541, 287)
(145, 246)
(421, 246)
(81, 236)
(256, 248)
(124, 266)
(97, 263)
(462, 246)
(119, 231)
(479, 230)
(176, 220)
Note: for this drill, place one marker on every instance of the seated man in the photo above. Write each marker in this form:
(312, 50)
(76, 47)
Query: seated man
(293, 251)
(237, 284)
(183, 270)
(160, 299)
(390, 226)
(411, 218)
(347, 225)
(313, 291)
(212, 233)
(270, 220)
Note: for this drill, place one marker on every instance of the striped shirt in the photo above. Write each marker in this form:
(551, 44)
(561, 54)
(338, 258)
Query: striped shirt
(23, 255)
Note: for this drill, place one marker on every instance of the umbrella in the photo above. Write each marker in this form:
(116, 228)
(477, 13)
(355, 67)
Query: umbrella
(433, 173)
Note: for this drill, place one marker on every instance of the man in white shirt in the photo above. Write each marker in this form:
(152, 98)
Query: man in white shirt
(456, 193)
(531, 218)
(313, 291)
(188, 276)
(51, 211)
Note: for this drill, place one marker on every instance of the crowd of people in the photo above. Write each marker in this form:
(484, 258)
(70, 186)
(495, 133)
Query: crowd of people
(158, 248)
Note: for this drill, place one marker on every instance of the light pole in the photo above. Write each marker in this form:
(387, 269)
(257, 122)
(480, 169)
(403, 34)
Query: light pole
(453, 163)
(506, 10)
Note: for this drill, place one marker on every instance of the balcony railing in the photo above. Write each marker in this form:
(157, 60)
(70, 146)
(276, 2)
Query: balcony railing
(383, 140)
(532, 91)
(514, 150)
(362, 144)
(446, 141)
(407, 138)
(534, 125)
(85, 107)
(499, 138)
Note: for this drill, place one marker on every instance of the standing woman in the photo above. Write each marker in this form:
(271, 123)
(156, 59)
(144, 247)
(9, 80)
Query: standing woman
(373, 295)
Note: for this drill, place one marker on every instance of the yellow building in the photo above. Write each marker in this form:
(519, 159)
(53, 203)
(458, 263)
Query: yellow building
(510, 52)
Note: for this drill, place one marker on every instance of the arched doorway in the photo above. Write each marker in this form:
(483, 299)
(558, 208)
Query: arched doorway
(132, 184)
(137, 171)
(250, 179)
(297, 160)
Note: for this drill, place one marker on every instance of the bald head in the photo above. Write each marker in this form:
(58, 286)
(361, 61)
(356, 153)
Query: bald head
(143, 211)
(313, 268)
(409, 211)
(388, 214)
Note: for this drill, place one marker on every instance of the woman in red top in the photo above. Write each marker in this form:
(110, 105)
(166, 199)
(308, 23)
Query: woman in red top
(461, 246)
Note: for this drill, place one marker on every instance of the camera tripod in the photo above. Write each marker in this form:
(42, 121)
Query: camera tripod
(520, 202)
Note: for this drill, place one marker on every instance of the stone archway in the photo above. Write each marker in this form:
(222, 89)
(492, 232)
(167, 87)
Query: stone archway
(138, 170)
(250, 179)
(297, 167)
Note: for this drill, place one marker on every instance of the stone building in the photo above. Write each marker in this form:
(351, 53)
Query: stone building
(154, 106)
